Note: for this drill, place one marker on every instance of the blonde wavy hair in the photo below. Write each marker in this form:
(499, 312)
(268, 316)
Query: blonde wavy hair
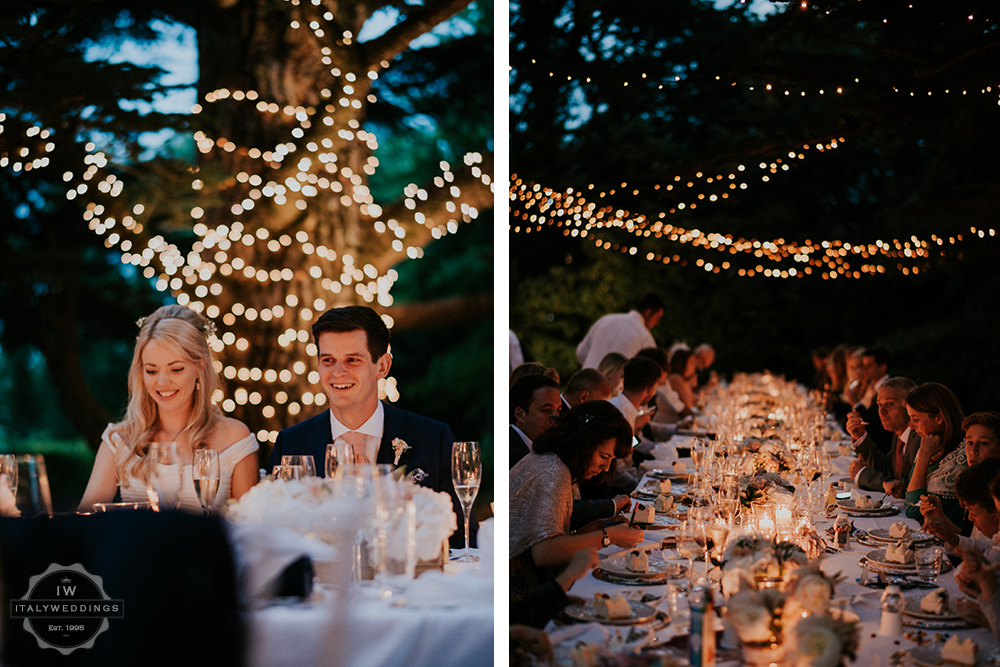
(187, 332)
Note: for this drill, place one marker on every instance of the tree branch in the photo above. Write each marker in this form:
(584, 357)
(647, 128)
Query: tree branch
(419, 21)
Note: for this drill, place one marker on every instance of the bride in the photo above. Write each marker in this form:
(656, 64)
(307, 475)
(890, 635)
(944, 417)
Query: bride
(171, 384)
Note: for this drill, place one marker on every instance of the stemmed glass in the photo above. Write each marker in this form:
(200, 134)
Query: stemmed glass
(333, 460)
(205, 472)
(306, 461)
(466, 473)
(165, 474)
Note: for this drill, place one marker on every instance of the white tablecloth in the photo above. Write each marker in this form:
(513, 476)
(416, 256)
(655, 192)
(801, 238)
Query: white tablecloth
(449, 624)
(862, 600)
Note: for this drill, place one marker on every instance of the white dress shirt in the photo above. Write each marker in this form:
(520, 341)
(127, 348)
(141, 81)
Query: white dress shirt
(372, 428)
(625, 333)
(625, 406)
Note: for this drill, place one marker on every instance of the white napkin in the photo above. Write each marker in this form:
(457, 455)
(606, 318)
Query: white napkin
(8, 504)
(484, 542)
(262, 553)
(592, 633)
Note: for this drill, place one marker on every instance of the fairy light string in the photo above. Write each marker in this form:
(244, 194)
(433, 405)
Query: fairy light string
(306, 165)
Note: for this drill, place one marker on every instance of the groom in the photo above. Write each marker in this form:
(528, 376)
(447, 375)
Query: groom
(353, 352)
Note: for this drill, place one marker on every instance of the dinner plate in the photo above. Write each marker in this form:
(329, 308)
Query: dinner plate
(882, 535)
(641, 613)
(849, 505)
(660, 522)
(913, 609)
(615, 565)
(877, 558)
(929, 655)
(669, 473)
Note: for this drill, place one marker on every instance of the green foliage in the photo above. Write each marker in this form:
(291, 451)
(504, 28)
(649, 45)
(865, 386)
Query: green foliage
(906, 165)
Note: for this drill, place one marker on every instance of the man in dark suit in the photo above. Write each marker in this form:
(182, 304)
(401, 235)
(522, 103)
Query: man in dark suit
(353, 354)
(534, 406)
(873, 469)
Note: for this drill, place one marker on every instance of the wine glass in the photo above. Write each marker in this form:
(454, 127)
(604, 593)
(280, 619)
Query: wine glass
(688, 546)
(345, 451)
(332, 462)
(165, 474)
(306, 461)
(466, 473)
(205, 472)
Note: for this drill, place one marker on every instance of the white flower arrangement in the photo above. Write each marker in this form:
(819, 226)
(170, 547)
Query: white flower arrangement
(763, 486)
(311, 507)
(749, 559)
(757, 615)
(823, 641)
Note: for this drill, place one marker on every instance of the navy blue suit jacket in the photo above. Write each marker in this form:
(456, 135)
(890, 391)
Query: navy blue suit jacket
(430, 444)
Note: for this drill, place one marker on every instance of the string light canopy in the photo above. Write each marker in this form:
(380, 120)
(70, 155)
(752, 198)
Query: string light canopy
(534, 207)
(288, 230)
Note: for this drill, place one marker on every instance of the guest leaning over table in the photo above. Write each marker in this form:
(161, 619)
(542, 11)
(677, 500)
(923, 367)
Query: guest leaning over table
(937, 417)
(583, 444)
(170, 384)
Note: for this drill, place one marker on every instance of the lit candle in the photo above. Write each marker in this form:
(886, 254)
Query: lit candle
(766, 525)
(783, 516)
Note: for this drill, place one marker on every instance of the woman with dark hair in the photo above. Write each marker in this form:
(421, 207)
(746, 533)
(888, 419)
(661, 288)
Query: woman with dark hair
(583, 444)
(937, 417)
(683, 369)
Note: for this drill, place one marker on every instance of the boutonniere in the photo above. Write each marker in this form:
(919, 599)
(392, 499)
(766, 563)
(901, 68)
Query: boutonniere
(398, 446)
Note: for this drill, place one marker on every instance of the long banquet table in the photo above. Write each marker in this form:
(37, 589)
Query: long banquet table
(864, 601)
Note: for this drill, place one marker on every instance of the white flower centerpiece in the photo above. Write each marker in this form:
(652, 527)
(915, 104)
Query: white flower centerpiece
(753, 562)
(795, 625)
(313, 508)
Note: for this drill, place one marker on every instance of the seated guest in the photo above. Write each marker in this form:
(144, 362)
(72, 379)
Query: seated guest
(642, 375)
(534, 406)
(820, 376)
(670, 409)
(544, 602)
(978, 579)
(856, 380)
(836, 370)
(612, 366)
(982, 436)
(973, 490)
(171, 388)
(706, 378)
(982, 443)
(583, 444)
(532, 368)
(585, 385)
(937, 418)
(874, 367)
(875, 470)
(682, 370)
(352, 344)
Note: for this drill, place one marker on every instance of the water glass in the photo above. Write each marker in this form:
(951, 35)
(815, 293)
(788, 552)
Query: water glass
(287, 473)
(33, 495)
(929, 563)
(306, 462)
(677, 606)
(401, 541)
(165, 475)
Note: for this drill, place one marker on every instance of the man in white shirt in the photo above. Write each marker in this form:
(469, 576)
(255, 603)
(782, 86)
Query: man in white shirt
(642, 375)
(353, 355)
(625, 333)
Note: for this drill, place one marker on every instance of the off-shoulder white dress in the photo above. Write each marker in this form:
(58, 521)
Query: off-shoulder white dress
(134, 490)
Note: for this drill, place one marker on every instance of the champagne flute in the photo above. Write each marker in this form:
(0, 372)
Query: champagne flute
(466, 473)
(164, 489)
(205, 472)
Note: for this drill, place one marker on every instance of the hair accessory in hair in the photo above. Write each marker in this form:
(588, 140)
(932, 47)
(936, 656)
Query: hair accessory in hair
(141, 321)
(210, 330)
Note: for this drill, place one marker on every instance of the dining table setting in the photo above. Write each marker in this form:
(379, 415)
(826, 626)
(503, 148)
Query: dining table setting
(759, 549)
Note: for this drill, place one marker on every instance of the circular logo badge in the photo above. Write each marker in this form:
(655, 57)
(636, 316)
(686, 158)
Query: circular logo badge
(66, 608)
